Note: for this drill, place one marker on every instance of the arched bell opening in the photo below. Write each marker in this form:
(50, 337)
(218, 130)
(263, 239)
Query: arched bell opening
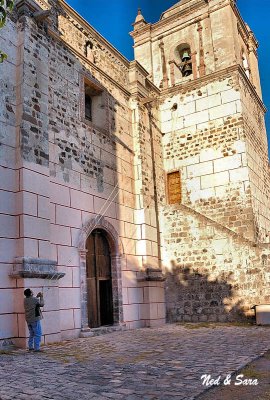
(183, 59)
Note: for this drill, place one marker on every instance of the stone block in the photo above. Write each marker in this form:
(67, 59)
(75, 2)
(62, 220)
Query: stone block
(132, 231)
(196, 118)
(34, 228)
(210, 154)
(27, 247)
(143, 248)
(44, 249)
(212, 180)
(34, 182)
(129, 279)
(5, 280)
(105, 207)
(208, 102)
(153, 311)
(21, 328)
(59, 194)
(52, 338)
(230, 95)
(7, 250)
(77, 318)
(52, 208)
(239, 175)
(9, 179)
(9, 226)
(144, 311)
(227, 163)
(76, 277)
(131, 312)
(135, 295)
(220, 245)
(66, 281)
(67, 256)
(69, 298)
(224, 110)
(26, 203)
(60, 235)
(67, 216)
(75, 233)
(7, 202)
(67, 320)
(43, 207)
(8, 326)
(81, 200)
(187, 109)
(7, 302)
(204, 168)
(154, 294)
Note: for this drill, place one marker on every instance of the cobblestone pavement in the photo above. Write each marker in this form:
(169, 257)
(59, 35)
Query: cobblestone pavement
(160, 363)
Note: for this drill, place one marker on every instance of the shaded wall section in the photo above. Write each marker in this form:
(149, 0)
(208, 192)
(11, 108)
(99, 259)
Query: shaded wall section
(213, 274)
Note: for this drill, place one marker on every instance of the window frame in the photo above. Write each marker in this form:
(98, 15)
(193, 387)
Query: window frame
(168, 188)
(88, 80)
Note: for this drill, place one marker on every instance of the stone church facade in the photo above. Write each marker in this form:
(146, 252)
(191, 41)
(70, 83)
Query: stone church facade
(131, 193)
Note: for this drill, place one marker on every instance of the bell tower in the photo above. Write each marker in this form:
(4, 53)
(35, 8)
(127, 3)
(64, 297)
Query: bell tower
(203, 58)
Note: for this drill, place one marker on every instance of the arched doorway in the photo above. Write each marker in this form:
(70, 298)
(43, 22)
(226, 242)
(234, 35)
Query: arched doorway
(99, 280)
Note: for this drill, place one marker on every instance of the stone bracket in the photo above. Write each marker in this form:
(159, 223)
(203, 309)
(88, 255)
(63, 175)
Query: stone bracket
(151, 274)
(25, 267)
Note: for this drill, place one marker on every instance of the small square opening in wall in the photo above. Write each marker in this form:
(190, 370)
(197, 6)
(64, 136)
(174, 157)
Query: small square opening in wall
(174, 187)
(94, 110)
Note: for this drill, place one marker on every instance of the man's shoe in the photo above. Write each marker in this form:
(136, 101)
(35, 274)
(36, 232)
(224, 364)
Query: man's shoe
(30, 349)
(39, 351)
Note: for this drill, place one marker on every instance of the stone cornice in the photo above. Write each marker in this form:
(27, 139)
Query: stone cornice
(28, 267)
(251, 88)
(136, 65)
(242, 27)
(167, 21)
(89, 29)
(197, 83)
(133, 64)
(182, 13)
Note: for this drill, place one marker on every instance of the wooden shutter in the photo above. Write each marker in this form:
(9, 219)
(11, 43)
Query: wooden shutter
(174, 187)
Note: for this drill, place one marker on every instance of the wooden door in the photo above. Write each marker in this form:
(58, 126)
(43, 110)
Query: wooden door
(99, 280)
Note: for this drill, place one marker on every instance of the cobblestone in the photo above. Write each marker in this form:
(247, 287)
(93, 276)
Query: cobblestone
(161, 363)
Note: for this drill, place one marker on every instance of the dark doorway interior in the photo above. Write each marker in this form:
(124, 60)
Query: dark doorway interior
(99, 280)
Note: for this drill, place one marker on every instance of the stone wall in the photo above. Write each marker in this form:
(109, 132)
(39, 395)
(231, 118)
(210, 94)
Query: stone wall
(254, 135)
(212, 273)
(201, 129)
(72, 171)
(9, 182)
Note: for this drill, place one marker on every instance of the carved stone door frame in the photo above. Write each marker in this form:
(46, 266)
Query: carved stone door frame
(117, 255)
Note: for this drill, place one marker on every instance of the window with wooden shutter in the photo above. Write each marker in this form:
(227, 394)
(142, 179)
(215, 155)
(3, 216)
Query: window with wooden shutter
(174, 187)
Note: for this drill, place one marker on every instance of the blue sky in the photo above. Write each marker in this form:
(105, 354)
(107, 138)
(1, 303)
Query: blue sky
(113, 19)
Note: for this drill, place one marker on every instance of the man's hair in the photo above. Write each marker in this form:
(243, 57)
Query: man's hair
(28, 292)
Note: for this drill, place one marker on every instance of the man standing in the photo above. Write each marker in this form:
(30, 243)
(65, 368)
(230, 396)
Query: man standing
(33, 316)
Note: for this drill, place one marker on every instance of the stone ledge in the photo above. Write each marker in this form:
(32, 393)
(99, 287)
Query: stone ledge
(26, 267)
(151, 274)
(102, 330)
(6, 344)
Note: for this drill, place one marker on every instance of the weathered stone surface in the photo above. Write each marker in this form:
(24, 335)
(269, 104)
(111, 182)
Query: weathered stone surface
(63, 175)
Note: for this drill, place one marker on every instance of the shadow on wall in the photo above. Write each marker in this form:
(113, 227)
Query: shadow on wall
(193, 296)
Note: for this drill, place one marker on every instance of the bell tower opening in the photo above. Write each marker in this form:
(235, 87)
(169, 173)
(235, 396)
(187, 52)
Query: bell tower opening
(183, 59)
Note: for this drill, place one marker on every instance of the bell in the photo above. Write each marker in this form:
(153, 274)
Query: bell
(187, 70)
(185, 56)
